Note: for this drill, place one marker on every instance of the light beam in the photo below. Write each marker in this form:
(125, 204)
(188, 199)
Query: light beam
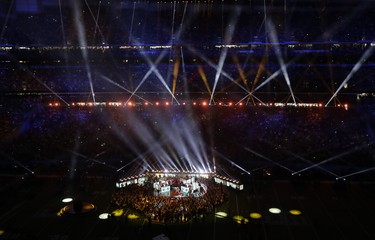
(228, 38)
(266, 158)
(122, 87)
(331, 159)
(276, 45)
(356, 173)
(204, 78)
(78, 21)
(356, 67)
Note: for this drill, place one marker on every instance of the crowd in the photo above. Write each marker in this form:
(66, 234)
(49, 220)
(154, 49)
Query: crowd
(142, 23)
(43, 138)
(328, 60)
(73, 79)
(157, 208)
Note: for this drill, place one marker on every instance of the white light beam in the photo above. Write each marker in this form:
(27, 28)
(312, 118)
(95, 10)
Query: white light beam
(118, 85)
(356, 67)
(356, 173)
(266, 158)
(276, 44)
(331, 159)
(228, 38)
(78, 21)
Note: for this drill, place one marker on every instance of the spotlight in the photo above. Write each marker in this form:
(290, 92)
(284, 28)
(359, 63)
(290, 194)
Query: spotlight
(221, 214)
(295, 212)
(275, 210)
(118, 212)
(255, 215)
(133, 216)
(104, 216)
(240, 219)
(66, 200)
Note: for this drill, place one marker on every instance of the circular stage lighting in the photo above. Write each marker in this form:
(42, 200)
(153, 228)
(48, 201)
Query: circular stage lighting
(2, 232)
(255, 215)
(104, 216)
(295, 212)
(67, 200)
(221, 214)
(274, 210)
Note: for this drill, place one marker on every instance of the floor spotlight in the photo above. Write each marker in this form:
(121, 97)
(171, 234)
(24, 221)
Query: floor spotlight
(275, 210)
(295, 212)
(67, 200)
(255, 215)
(104, 216)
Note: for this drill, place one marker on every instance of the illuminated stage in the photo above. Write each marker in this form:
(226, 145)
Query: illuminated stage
(179, 186)
(185, 181)
(173, 196)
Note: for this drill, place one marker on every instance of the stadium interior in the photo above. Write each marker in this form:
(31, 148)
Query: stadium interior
(232, 119)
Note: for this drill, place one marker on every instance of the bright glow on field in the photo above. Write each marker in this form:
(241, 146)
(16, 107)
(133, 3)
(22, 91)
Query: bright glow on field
(88, 207)
(274, 210)
(240, 219)
(67, 200)
(255, 215)
(221, 214)
(104, 216)
(61, 212)
(133, 216)
(118, 212)
(295, 212)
